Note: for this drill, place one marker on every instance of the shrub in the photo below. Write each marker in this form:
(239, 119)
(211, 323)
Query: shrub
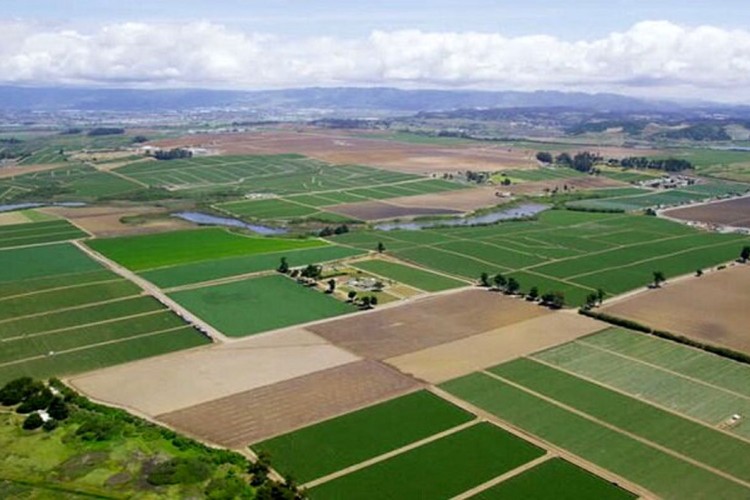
(228, 488)
(19, 390)
(179, 471)
(50, 425)
(33, 421)
(58, 409)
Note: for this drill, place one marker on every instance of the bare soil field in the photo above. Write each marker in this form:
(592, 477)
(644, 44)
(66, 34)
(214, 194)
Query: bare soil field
(377, 210)
(712, 308)
(107, 220)
(461, 200)
(239, 420)
(735, 213)
(588, 182)
(338, 147)
(461, 357)
(168, 383)
(13, 218)
(426, 322)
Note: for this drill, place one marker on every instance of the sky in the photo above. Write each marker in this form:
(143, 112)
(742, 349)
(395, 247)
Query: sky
(651, 48)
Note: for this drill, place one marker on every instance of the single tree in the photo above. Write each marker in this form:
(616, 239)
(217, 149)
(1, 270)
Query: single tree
(373, 301)
(381, 247)
(745, 254)
(512, 286)
(533, 293)
(591, 300)
(659, 278)
(699, 272)
(484, 280)
(600, 296)
(58, 409)
(352, 295)
(500, 281)
(33, 421)
(331, 285)
(555, 300)
(283, 266)
(366, 302)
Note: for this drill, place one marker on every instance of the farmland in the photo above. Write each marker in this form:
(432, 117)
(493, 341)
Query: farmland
(572, 252)
(18, 235)
(62, 313)
(408, 275)
(732, 213)
(255, 305)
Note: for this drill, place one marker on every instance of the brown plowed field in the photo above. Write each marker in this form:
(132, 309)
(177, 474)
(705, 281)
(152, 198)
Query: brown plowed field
(426, 322)
(376, 210)
(589, 182)
(461, 357)
(239, 420)
(735, 213)
(107, 220)
(462, 200)
(713, 308)
(339, 148)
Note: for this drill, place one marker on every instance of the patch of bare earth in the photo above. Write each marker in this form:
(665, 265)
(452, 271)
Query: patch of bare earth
(461, 357)
(10, 218)
(426, 322)
(167, 383)
(462, 200)
(239, 420)
(712, 308)
(574, 183)
(107, 220)
(376, 210)
(735, 213)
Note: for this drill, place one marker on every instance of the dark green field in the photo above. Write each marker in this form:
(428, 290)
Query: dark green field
(440, 469)
(555, 479)
(361, 435)
(409, 275)
(18, 235)
(256, 305)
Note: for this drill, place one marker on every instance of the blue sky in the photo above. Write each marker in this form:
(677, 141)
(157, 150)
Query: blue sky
(571, 20)
(654, 48)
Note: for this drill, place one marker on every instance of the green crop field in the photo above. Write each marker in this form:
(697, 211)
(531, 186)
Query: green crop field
(355, 437)
(663, 474)
(34, 233)
(555, 479)
(640, 202)
(693, 397)
(256, 305)
(197, 272)
(408, 275)
(141, 253)
(539, 174)
(686, 437)
(439, 469)
(568, 251)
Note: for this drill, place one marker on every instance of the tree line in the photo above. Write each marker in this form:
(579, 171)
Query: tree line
(586, 162)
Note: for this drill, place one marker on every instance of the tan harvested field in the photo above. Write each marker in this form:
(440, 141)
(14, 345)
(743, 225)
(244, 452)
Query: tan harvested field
(735, 213)
(338, 147)
(461, 357)
(461, 200)
(589, 182)
(239, 420)
(168, 383)
(426, 322)
(14, 170)
(376, 210)
(712, 308)
(107, 220)
(13, 218)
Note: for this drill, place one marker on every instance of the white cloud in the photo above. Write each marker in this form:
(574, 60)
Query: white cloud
(651, 58)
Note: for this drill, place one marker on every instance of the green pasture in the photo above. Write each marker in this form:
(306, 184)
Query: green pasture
(361, 435)
(418, 278)
(439, 469)
(12, 288)
(256, 305)
(661, 473)
(152, 251)
(555, 479)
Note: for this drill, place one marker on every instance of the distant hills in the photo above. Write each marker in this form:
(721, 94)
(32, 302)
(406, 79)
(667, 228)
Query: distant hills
(346, 98)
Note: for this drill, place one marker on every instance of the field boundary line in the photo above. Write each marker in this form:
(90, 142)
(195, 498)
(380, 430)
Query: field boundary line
(504, 477)
(481, 261)
(154, 291)
(85, 325)
(57, 289)
(91, 346)
(541, 443)
(72, 308)
(385, 456)
(645, 401)
(55, 233)
(614, 428)
(666, 370)
(394, 260)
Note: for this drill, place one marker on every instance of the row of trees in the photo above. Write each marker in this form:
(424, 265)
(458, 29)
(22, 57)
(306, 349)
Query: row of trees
(641, 162)
(586, 162)
(173, 154)
(511, 286)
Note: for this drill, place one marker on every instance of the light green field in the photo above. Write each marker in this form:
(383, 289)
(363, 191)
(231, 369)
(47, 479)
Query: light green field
(409, 275)
(197, 272)
(555, 479)
(440, 469)
(17, 235)
(43, 261)
(182, 247)
(661, 473)
(686, 437)
(355, 437)
(702, 401)
(568, 251)
(256, 305)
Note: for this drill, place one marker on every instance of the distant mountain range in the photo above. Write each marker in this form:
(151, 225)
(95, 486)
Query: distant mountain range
(380, 99)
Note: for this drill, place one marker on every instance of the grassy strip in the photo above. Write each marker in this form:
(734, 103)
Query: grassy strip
(440, 469)
(361, 435)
